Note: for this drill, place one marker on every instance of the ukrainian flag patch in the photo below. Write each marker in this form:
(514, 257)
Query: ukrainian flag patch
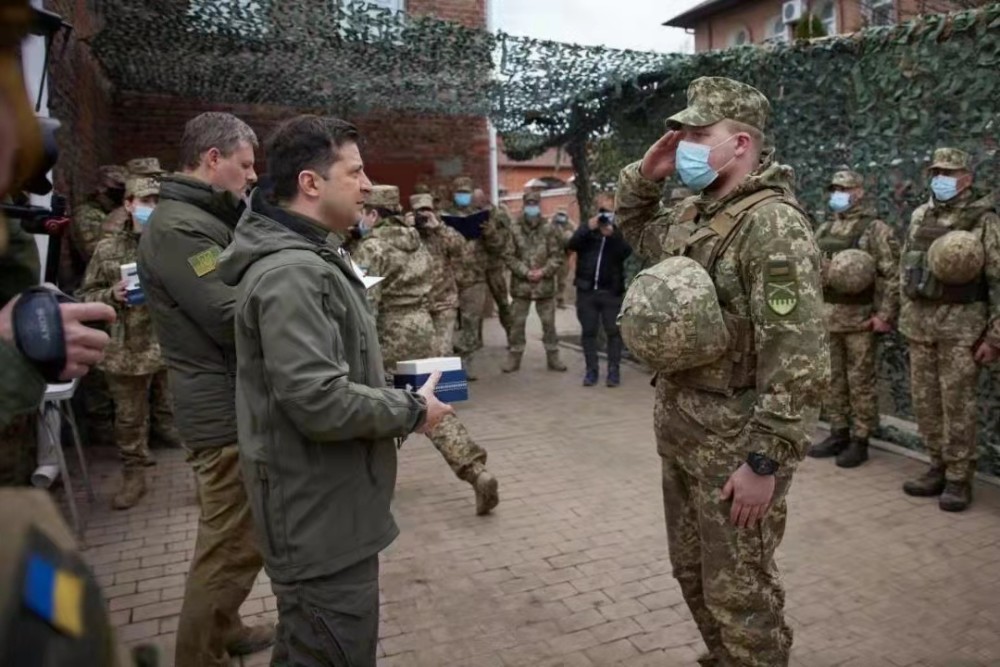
(55, 595)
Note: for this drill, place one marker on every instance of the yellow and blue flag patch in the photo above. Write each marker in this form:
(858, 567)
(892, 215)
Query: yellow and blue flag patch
(55, 595)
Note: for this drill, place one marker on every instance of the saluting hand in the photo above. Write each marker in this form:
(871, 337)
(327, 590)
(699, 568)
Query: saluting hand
(660, 161)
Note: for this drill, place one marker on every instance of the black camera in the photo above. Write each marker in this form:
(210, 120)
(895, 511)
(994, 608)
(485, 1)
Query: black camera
(606, 218)
(421, 220)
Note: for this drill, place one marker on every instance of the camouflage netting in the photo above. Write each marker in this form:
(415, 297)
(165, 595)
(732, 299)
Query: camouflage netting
(878, 102)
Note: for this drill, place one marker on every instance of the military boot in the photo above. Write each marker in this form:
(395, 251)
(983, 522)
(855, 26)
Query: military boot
(837, 442)
(931, 483)
(956, 497)
(250, 639)
(553, 361)
(470, 374)
(855, 454)
(513, 363)
(133, 488)
(487, 493)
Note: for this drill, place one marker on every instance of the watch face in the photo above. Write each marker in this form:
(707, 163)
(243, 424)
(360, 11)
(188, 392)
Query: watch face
(762, 465)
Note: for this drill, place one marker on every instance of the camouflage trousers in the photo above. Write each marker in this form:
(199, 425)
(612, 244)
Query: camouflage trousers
(943, 380)
(497, 281)
(98, 408)
(727, 575)
(18, 450)
(471, 304)
(562, 277)
(405, 333)
(138, 398)
(444, 331)
(546, 309)
(466, 458)
(852, 401)
(225, 564)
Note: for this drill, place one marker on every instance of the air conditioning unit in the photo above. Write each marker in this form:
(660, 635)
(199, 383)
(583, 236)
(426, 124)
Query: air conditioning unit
(792, 11)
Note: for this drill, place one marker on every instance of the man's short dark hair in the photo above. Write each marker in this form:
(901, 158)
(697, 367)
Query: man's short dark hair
(213, 129)
(305, 142)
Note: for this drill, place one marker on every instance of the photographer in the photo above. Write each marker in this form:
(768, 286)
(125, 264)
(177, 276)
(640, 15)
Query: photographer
(601, 252)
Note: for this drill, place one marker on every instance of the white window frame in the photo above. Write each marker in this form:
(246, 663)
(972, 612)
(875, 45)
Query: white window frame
(872, 6)
(830, 24)
(777, 37)
(391, 5)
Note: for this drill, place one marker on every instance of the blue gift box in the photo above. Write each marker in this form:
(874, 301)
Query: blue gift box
(453, 387)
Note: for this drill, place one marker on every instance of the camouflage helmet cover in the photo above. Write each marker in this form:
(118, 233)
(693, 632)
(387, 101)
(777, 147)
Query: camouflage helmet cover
(671, 319)
(851, 272)
(957, 258)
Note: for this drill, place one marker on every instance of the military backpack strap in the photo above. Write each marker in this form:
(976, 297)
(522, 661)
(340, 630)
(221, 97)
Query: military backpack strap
(730, 220)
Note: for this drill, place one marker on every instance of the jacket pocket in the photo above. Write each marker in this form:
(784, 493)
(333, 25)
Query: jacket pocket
(265, 493)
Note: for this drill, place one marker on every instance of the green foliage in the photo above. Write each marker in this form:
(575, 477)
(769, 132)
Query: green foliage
(809, 27)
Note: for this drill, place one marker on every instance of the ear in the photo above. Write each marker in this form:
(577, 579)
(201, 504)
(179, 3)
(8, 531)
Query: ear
(307, 183)
(129, 205)
(744, 142)
(212, 157)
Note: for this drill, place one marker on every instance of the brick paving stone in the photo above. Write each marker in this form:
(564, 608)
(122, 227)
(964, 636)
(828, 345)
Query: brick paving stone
(572, 568)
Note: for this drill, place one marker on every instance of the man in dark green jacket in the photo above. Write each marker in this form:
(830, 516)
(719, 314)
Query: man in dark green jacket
(192, 313)
(317, 425)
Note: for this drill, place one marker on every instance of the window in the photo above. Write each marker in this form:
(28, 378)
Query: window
(392, 5)
(777, 31)
(881, 12)
(828, 15)
(740, 38)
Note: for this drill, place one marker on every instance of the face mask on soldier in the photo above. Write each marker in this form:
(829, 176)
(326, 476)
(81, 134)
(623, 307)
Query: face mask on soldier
(944, 187)
(463, 199)
(840, 201)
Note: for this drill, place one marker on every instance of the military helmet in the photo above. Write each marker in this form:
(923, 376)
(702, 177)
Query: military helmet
(671, 319)
(851, 271)
(957, 258)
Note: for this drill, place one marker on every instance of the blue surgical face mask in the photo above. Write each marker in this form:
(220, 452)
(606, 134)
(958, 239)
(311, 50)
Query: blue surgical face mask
(693, 166)
(463, 199)
(944, 187)
(532, 211)
(840, 201)
(142, 213)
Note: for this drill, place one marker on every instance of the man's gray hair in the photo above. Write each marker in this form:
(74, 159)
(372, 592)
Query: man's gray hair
(213, 129)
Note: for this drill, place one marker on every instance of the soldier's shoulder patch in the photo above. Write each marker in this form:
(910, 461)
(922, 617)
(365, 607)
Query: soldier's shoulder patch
(781, 286)
(205, 261)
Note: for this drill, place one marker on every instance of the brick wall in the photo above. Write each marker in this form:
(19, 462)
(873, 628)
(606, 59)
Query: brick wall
(106, 126)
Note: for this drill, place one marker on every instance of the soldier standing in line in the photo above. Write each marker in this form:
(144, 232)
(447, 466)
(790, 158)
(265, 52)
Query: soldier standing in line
(950, 315)
(565, 228)
(132, 363)
(394, 251)
(732, 426)
(496, 269)
(445, 246)
(861, 290)
(535, 257)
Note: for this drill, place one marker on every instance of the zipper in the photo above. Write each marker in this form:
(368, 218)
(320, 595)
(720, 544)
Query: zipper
(369, 447)
(600, 254)
(265, 485)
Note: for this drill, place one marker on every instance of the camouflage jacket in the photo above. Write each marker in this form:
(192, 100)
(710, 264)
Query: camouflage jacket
(133, 349)
(534, 244)
(87, 229)
(476, 256)
(446, 247)
(776, 416)
(964, 323)
(393, 251)
(878, 240)
(498, 239)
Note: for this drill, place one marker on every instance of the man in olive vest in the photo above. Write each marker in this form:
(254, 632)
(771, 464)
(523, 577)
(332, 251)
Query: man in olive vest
(950, 315)
(861, 290)
(730, 433)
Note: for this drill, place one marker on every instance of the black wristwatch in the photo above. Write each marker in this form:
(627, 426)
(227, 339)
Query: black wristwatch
(761, 465)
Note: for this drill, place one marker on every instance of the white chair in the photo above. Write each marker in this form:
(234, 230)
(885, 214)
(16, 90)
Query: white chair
(61, 395)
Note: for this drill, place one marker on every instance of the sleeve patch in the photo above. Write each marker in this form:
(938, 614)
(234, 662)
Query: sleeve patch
(205, 262)
(781, 287)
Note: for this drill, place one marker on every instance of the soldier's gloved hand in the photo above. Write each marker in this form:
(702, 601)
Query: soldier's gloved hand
(660, 161)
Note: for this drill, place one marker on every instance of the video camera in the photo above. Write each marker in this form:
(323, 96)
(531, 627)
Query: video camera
(606, 217)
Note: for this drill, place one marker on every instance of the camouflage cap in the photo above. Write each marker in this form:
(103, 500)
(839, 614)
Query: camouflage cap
(462, 184)
(670, 317)
(422, 200)
(113, 172)
(532, 198)
(144, 166)
(421, 189)
(384, 196)
(951, 158)
(847, 179)
(851, 272)
(957, 258)
(715, 98)
(141, 186)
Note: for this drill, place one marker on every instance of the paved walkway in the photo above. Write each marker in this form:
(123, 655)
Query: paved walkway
(572, 568)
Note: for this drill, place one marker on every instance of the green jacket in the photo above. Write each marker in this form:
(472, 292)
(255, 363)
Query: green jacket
(317, 424)
(21, 386)
(192, 308)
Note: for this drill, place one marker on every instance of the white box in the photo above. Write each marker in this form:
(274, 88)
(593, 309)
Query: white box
(427, 366)
(130, 274)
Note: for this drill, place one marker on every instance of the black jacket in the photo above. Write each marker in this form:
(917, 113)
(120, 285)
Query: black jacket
(590, 247)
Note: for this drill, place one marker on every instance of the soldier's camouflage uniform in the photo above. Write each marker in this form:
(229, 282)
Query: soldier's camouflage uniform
(853, 401)
(471, 278)
(942, 335)
(566, 233)
(762, 397)
(136, 375)
(496, 269)
(535, 244)
(446, 247)
(405, 329)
